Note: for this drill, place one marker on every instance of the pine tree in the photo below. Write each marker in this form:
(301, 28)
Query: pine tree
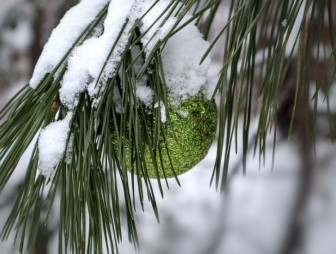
(111, 122)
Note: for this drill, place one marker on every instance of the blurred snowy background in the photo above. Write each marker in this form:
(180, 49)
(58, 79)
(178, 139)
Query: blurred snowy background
(264, 212)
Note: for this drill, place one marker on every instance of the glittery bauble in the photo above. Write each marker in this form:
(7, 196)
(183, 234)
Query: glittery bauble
(190, 131)
(189, 135)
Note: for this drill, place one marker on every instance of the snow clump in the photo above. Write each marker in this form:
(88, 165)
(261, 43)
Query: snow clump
(52, 144)
(64, 36)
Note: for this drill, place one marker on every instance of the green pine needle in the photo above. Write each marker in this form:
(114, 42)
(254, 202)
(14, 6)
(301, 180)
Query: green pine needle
(255, 67)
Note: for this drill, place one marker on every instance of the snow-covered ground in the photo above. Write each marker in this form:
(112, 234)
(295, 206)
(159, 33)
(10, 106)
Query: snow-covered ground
(250, 218)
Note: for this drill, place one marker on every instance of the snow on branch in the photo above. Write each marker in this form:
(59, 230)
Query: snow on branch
(95, 60)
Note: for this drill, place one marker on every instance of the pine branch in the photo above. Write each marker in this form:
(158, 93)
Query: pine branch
(110, 143)
(261, 41)
(109, 132)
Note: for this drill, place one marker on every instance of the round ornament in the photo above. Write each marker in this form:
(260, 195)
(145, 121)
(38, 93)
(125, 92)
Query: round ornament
(190, 130)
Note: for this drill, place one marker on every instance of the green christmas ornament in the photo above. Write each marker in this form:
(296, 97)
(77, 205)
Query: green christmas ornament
(190, 130)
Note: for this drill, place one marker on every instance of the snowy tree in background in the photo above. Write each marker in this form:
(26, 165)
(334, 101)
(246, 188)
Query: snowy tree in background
(121, 98)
